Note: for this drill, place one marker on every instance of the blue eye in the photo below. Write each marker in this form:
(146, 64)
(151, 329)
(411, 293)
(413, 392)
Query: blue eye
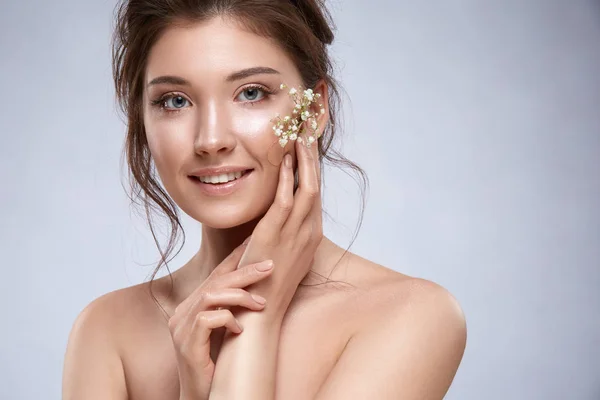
(174, 102)
(177, 102)
(253, 92)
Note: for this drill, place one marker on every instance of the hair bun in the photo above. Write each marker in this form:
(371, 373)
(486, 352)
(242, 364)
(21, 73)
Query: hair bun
(317, 17)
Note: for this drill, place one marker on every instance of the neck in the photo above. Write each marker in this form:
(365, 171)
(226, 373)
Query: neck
(217, 244)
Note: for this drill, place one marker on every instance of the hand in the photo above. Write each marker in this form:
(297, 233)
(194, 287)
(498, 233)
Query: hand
(290, 231)
(196, 319)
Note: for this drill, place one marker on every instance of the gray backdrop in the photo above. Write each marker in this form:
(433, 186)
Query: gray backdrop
(477, 121)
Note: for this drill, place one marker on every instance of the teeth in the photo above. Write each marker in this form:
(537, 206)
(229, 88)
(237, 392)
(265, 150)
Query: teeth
(223, 178)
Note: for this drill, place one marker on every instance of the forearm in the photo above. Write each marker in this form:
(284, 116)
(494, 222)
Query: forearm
(247, 362)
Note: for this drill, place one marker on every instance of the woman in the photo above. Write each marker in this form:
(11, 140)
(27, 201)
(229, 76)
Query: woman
(289, 314)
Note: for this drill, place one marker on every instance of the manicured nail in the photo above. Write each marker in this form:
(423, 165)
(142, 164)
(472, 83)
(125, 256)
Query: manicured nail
(287, 160)
(265, 265)
(259, 299)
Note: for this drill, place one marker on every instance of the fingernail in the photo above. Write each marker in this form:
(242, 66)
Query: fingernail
(265, 265)
(287, 160)
(259, 299)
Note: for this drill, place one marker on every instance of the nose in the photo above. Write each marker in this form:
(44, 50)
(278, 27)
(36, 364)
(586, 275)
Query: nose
(213, 135)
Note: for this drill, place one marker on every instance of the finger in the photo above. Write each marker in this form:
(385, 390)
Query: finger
(201, 298)
(206, 321)
(196, 344)
(227, 265)
(245, 276)
(316, 210)
(228, 298)
(279, 211)
(308, 188)
(315, 152)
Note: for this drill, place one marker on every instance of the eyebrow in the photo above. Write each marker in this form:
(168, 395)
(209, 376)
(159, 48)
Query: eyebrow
(236, 76)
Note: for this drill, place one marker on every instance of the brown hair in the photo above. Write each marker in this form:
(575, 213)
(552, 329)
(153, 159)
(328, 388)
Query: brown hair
(302, 28)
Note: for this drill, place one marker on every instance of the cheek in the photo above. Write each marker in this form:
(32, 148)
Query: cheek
(255, 127)
(167, 144)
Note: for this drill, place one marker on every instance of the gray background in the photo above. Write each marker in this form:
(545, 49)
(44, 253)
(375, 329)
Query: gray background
(478, 123)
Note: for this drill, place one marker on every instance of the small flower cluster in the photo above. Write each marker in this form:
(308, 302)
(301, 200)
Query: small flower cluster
(289, 127)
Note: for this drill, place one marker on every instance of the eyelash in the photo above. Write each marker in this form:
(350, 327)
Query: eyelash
(160, 102)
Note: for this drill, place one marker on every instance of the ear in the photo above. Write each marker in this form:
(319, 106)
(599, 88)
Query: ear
(322, 103)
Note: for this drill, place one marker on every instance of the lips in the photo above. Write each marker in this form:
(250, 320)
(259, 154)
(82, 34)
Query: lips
(222, 169)
(222, 189)
(245, 172)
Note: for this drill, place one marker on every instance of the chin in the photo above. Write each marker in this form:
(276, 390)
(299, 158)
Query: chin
(244, 206)
(223, 223)
(223, 217)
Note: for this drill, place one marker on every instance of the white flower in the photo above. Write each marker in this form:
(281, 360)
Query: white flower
(289, 128)
(308, 94)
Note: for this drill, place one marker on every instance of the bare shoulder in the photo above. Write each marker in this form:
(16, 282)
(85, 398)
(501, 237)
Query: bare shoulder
(409, 340)
(93, 367)
(134, 309)
(108, 314)
(117, 318)
(101, 319)
(385, 293)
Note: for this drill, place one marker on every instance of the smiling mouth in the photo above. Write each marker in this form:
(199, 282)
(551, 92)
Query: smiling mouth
(244, 173)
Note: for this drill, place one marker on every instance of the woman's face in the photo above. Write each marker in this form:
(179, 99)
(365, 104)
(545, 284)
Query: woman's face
(209, 113)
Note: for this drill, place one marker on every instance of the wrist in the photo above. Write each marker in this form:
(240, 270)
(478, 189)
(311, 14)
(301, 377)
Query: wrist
(271, 317)
(278, 300)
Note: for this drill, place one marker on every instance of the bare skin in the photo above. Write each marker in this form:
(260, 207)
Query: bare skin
(390, 336)
(319, 323)
(317, 326)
